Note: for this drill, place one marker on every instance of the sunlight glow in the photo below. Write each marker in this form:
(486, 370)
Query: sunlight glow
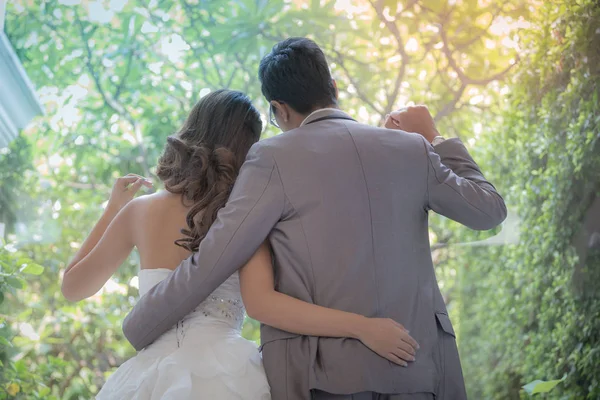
(505, 25)
(134, 282)
(509, 43)
(27, 330)
(174, 47)
(111, 286)
(147, 27)
(204, 92)
(97, 13)
(363, 114)
(186, 85)
(350, 6)
(395, 59)
(476, 99)
(55, 160)
(117, 5)
(387, 15)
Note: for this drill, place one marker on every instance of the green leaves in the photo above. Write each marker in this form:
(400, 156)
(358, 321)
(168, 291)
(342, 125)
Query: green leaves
(32, 269)
(15, 282)
(5, 342)
(539, 386)
(528, 309)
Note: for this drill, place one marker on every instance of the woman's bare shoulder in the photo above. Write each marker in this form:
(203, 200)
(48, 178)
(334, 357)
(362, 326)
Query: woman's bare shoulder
(158, 199)
(156, 206)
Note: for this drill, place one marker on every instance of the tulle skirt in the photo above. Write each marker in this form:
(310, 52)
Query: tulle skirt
(211, 361)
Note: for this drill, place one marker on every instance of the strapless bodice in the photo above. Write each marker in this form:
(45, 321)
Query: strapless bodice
(223, 305)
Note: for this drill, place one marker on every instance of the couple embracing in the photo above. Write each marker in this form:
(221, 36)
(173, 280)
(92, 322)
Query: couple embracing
(320, 233)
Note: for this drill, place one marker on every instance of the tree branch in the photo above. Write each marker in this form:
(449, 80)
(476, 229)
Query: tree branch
(406, 8)
(451, 106)
(242, 63)
(194, 26)
(359, 93)
(391, 98)
(499, 8)
(79, 362)
(125, 76)
(461, 74)
(111, 103)
(404, 58)
(115, 106)
(391, 26)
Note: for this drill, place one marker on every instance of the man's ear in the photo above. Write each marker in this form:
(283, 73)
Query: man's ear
(281, 110)
(337, 92)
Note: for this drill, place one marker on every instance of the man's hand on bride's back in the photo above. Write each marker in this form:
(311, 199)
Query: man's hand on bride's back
(389, 339)
(415, 119)
(125, 189)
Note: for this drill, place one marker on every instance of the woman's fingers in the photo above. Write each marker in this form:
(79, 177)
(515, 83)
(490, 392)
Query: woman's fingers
(146, 183)
(135, 186)
(403, 355)
(129, 179)
(410, 341)
(396, 360)
(406, 346)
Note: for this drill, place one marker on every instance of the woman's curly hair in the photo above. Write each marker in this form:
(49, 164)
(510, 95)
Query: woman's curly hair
(201, 162)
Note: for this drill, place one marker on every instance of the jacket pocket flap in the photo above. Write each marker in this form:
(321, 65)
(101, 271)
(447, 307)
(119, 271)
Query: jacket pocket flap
(281, 336)
(445, 323)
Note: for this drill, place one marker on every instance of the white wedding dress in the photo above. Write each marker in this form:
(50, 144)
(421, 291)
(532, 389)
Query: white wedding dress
(202, 357)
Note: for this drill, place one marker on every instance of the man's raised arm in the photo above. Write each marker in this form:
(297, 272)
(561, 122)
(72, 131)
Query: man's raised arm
(458, 190)
(256, 204)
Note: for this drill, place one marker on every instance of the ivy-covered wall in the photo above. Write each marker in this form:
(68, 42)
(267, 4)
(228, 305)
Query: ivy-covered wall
(532, 310)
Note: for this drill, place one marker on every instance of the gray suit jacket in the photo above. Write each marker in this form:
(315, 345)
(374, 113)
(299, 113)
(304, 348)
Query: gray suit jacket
(345, 208)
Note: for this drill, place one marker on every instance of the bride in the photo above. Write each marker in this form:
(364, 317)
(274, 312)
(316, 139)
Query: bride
(204, 355)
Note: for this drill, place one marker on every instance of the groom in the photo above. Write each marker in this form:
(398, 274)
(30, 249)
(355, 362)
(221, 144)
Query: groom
(345, 208)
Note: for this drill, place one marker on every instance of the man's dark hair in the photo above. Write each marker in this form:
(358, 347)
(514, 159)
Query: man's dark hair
(296, 73)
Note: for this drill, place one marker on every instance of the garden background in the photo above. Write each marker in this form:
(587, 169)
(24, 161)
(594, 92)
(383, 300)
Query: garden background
(517, 80)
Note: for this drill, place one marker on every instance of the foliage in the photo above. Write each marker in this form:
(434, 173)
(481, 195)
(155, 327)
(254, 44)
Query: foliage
(538, 386)
(117, 77)
(531, 309)
(15, 376)
(15, 164)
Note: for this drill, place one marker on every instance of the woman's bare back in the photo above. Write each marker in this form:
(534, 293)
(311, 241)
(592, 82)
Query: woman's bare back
(159, 218)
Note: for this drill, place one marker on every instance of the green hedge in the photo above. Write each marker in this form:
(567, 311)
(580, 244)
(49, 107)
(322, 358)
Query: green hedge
(531, 310)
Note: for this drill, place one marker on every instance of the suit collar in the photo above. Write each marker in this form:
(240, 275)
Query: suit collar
(324, 112)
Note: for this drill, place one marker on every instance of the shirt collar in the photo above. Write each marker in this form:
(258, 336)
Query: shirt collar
(317, 113)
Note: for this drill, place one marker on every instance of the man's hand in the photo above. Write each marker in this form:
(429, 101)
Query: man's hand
(415, 119)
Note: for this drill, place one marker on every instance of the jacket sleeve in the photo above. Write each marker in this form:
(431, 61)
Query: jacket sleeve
(457, 189)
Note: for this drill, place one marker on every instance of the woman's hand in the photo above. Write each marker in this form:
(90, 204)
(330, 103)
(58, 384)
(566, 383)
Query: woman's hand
(388, 339)
(125, 189)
